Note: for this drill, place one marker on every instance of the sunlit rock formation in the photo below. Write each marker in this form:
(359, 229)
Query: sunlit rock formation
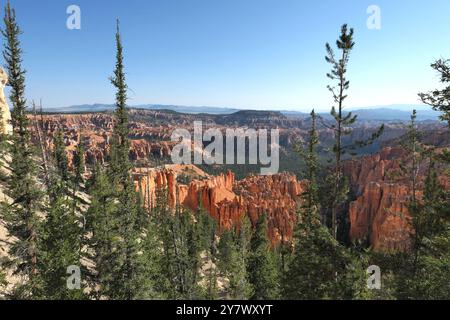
(226, 199)
(5, 114)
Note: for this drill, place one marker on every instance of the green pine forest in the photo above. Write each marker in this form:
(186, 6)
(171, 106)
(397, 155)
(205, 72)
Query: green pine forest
(124, 251)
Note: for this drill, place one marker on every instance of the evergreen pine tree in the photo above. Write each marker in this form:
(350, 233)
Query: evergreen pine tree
(101, 235)
(320, 268)
(410, 167)
(182, 246)
(60, 155)
(440, 99)
(421, 273)
(339, 69)
(262, 266)
(119, 165)
(131, 275)
(240, 281)
(60, 245)
(318, 264)
(233, 259)
(206, 229)
(155, 284)
(310, 274)
(162, 221)
(310, 158)
(118, 242)
(225, 248)
(433, 224)
(21, 217)
(79, 163)
(338, 189)
(61, 233)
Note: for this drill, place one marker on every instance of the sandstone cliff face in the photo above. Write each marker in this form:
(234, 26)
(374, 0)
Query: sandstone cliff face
(380, 212)
(276, 196)
(228, 200)
(381, 216)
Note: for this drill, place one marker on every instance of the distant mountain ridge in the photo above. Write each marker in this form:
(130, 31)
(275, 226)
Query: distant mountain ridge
(98, 107)
(392, 115)
(375, 113)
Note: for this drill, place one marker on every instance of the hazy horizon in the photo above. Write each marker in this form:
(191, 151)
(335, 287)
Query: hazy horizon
(397, 107)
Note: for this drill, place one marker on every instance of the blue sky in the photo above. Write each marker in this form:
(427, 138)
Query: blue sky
(261, 54)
